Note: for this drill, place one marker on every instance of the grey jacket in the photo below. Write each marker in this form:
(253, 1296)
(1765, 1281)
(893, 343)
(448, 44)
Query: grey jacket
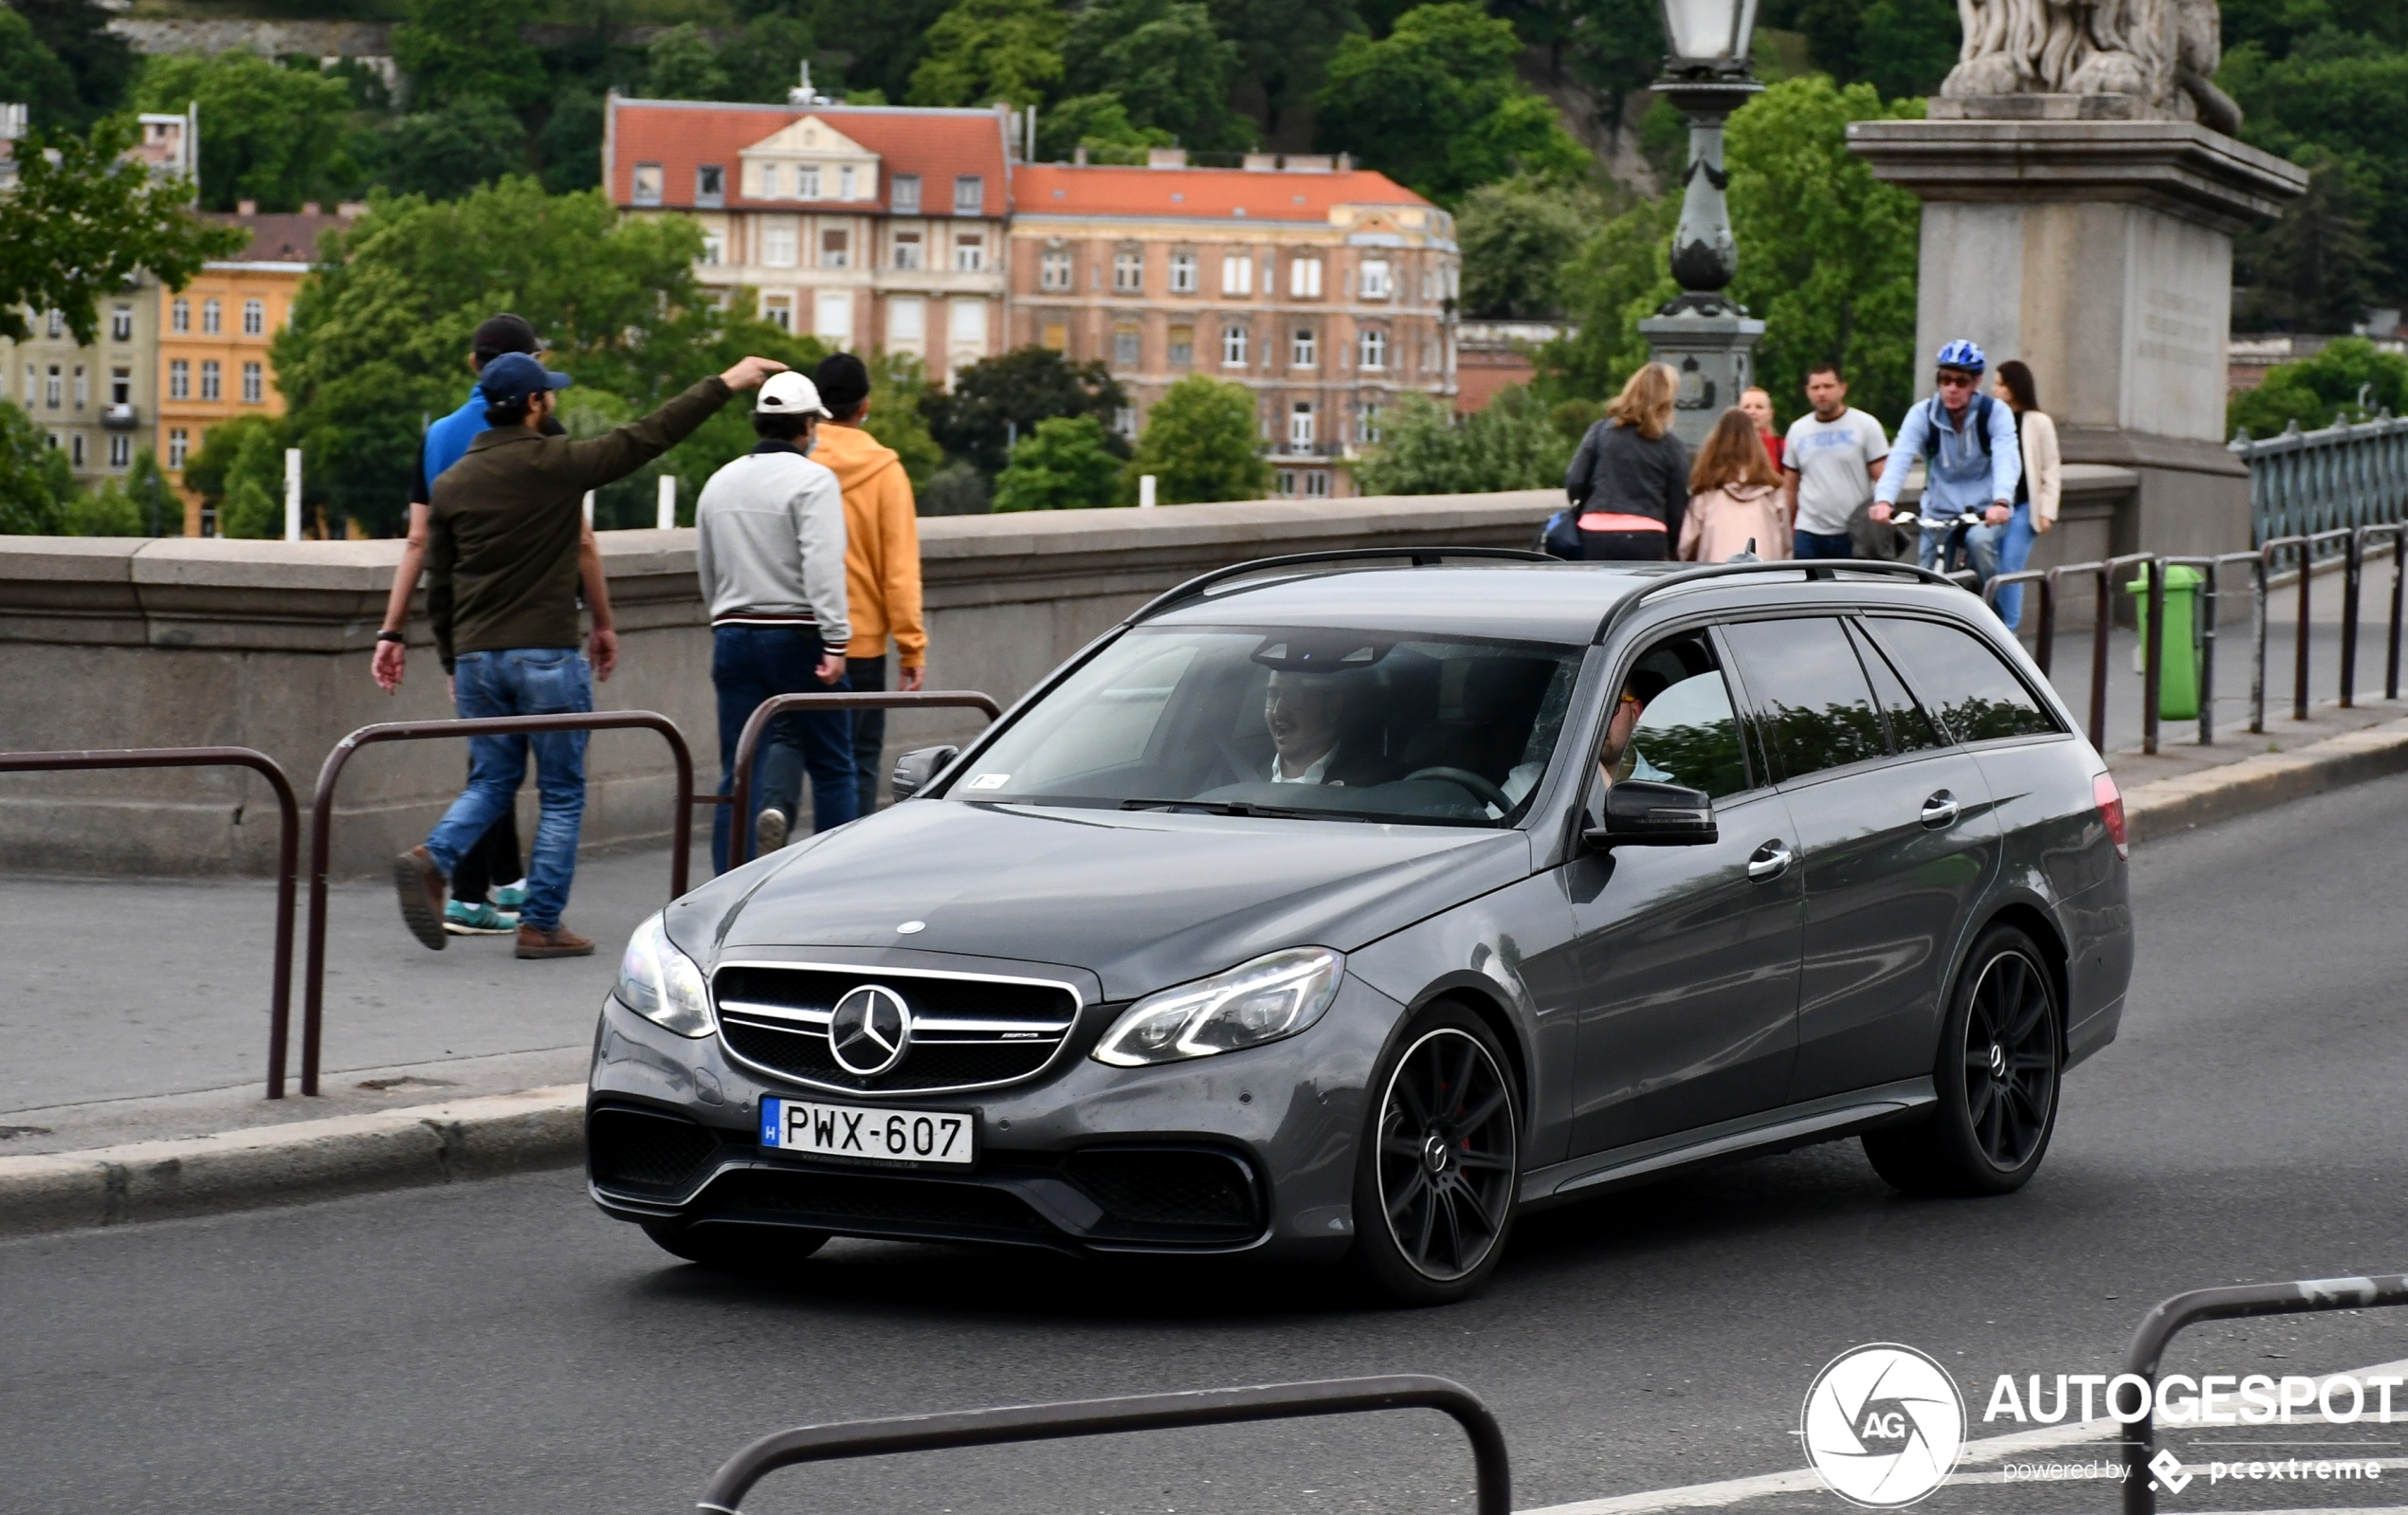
(770, 543)
(1619, 470)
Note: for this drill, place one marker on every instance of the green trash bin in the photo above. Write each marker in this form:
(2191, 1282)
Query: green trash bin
(2178, 689)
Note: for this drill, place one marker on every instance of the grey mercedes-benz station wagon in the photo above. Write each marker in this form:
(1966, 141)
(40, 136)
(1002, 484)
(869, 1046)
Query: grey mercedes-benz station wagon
(1345, 906)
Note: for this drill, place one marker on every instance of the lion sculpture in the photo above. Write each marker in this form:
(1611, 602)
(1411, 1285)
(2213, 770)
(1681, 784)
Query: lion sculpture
(2158, 54)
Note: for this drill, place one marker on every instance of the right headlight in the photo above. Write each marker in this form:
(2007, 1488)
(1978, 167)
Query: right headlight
(1256, 1002)
(662, 984)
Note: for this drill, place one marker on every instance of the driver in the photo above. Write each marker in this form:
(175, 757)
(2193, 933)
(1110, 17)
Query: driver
(1621, 760)
(1305, 713)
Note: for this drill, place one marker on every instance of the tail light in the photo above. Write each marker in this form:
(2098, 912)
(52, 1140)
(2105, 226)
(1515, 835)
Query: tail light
(2109, 800)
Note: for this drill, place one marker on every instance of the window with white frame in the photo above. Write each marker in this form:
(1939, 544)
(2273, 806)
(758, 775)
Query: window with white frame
(1300, 424)
(807, 181)
(1233, 347)
(121, 323)
(1237, 273)
(1183, 346)
(906, 323)
(1053, 270)
(213, 379)
(647, 184)
(969, 195)
(57, 325)
(1284, 483)
(212, 318)
(777, 241)
(1304, 279)
(969, 252)
(179, 316)
(1125, 346)
(254, 318)
(179, 446)
(83, 387)
(120, 386)
(179, 381)
(714, 249)
(1375, 279)
(1375, 351)
(1182, 273)
(910, 250)
(120, 450)
(1128, 271)
(1304, 350)
(1367, 424)
(779, 309)
(832, 316)
(768, 182)
(54, 386)
(848, 183)
(835, 249)
(75, 449)
(1124, 421)
(905, 193)
(968, 323)
(710, 184)
(254, 384)
(1317, 485)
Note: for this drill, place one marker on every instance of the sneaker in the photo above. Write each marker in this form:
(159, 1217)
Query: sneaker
(769, 832)
(534, 941)
(480, 920)
(508, 898)
(420, 886)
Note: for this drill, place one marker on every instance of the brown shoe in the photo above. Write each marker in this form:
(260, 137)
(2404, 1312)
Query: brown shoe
(534, 941)
(419, 884)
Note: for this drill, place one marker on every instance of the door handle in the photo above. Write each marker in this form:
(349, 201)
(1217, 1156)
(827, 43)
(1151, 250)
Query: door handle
(1771, 861)
(1939, 809)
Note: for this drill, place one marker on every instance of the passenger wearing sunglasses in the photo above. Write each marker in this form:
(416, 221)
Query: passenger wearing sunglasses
(1967, 443)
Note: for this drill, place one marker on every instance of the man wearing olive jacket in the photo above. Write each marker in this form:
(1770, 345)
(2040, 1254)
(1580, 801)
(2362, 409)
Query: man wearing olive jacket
(501, 584)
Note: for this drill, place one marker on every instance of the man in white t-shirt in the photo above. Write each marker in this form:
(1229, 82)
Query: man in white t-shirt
(1828, 467)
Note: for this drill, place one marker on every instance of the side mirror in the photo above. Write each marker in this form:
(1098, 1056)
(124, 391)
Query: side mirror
(913, 769)
(1639, 813)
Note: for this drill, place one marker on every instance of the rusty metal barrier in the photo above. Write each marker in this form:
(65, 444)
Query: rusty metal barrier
(1149, 1412)
(322, 815)
(280, 1002)
(2398, 532)
(739, 838)
(2211, 571)
(2159, 1327)
(2103, 579)
(2045, 637)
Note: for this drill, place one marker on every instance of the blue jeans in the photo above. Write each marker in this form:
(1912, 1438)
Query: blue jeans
(1933, 543)
(748, 664)
(523, 681)
(1997, 550)
(1821, 544)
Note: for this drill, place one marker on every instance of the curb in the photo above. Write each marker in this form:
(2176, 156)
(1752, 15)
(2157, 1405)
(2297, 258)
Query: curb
(305, 1160)
(2268, 779)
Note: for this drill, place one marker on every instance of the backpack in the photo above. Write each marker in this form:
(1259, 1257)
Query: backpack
(1560, 536)
(1979, 419)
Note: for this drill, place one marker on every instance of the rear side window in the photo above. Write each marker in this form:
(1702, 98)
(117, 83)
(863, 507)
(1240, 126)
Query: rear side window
(1973, 692)
(1810, 693)
(1910, 729)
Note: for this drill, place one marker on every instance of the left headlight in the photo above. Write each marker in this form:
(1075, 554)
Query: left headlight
(662, 984)
(1254, 1003)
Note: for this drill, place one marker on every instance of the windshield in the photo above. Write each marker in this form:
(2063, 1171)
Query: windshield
(1338, 725)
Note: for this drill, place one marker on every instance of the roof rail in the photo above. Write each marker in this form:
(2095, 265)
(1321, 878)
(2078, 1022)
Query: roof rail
(1815, 570)
(1420, 556)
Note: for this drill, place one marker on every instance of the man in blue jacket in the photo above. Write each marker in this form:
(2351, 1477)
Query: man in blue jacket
(1971, 462)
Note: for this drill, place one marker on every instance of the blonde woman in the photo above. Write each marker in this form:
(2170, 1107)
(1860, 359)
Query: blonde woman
(1735, 497)
(1630, 479)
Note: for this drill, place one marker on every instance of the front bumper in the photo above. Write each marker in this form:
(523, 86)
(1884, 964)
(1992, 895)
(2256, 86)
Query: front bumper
(1247, 1152)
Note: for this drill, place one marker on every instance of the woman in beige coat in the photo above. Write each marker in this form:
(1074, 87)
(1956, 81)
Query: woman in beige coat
(2036, 493)
(1735, 498)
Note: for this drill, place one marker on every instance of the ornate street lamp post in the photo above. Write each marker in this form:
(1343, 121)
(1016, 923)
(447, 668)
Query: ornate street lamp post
(1702, 333)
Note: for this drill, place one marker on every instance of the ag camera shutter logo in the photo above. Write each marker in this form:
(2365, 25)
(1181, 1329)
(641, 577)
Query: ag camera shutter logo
(1883, 1425)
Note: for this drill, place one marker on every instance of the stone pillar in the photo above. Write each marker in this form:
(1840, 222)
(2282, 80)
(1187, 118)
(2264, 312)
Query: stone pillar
(2100, 252)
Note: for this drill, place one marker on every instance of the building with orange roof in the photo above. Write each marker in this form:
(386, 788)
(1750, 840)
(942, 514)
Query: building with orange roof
(873, 227)
(1327, 290)
(214, 362)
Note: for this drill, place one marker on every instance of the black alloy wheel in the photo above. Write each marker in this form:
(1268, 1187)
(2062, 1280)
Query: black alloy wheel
(1997, 1077)
(1435, 1197)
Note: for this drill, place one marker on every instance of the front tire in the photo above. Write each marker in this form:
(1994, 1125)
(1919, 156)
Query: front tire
(736, 1249)
(2000, 1054)
(1435, 1184)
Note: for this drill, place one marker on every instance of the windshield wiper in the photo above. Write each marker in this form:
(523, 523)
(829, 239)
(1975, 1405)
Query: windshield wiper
(1289, 812)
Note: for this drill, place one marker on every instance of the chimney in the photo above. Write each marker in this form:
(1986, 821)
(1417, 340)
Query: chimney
(309, 207)
(1166, 158)
(351, 209)
(1079, 155)
(246, 208)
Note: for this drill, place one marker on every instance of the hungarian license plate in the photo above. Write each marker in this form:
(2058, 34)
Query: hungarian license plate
(808, 1129)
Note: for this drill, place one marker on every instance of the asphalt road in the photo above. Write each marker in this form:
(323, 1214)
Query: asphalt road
(501, 1347)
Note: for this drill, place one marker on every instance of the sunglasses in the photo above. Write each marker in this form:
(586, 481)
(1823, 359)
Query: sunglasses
(1958, 381)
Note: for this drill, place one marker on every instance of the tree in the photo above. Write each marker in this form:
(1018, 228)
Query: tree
(35, 76)
(253, 505)
(1901, 48)
(1283, 48)
(273, 134)
(84, 220)
(997, 397)
(982, 51)
(1516, 237)
(442, 154)
(570, 144)
(2351, 380)
(1162, 59)
(379, 336)
(2314, 268)
(685, 66)
(99, 61)
(883, 42)
(1065, 465)
(1199, 443)
(897, 385)
(35, 484)
(452, 49)
(1436, 105)
(1101, 124)
(1619, 276)
(1611, 48)
(1512, 444)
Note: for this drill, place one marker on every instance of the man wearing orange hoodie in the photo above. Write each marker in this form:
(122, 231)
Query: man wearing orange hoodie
(881, 558)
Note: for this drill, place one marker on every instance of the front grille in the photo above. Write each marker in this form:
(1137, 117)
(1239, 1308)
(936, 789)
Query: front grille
(882, 1203)
(1170, 1193)
(639, 1151)
(967, 1032)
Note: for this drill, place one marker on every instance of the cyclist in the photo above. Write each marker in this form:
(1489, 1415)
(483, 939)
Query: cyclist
(1967, 443)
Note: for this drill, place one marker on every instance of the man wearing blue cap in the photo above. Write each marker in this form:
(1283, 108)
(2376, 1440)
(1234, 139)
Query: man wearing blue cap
(501, 597)
(1969, 440)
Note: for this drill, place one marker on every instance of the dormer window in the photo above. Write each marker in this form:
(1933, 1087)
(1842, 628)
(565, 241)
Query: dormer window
(969, 195)
(710, 185)
(906, 194)
(768, 181)
(647, 184)
(807, 181)
(846, 178)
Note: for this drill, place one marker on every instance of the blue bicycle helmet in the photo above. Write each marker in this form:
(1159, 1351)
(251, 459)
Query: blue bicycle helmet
(1964, 354)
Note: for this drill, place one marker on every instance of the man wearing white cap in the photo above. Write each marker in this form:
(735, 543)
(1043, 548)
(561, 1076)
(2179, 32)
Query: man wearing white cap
(770, 551)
